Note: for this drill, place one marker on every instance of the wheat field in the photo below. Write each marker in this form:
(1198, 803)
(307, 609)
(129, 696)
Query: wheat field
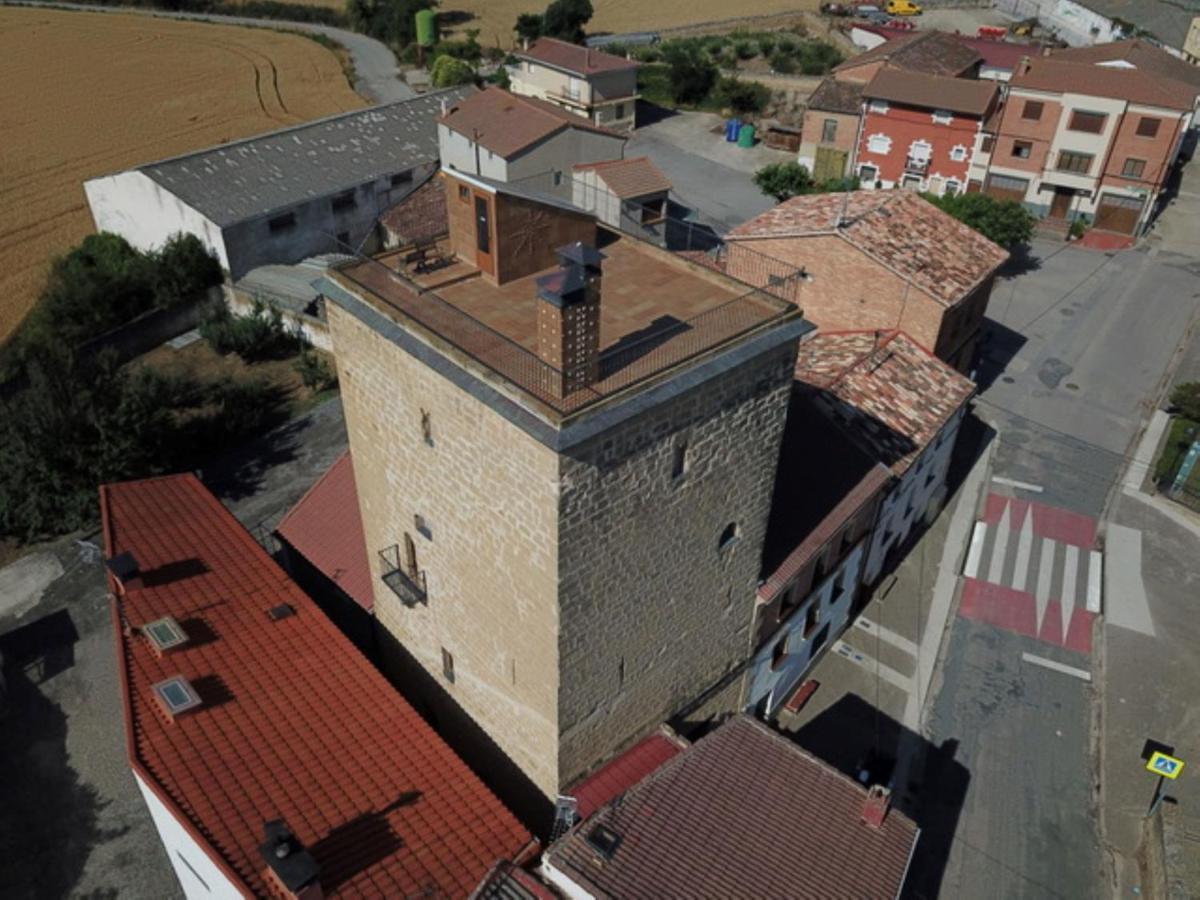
(84, 94)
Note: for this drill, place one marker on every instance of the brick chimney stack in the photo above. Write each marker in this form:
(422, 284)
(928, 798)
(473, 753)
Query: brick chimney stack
(876, 806)
(291, 869)
(569, 319)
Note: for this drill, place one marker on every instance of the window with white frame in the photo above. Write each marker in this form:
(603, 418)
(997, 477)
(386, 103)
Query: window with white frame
(942, 117)
(877, 106)
(958, 153)
(920, 149)
(879, 143)
(868, 174)
(951, 188)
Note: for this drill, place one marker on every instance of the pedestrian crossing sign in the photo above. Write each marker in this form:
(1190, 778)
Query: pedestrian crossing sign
(1166, 766)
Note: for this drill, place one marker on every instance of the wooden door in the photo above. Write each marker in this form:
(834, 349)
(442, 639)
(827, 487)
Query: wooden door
(1118, 214)
(829, 163)
(484, 251)
(1061, 204)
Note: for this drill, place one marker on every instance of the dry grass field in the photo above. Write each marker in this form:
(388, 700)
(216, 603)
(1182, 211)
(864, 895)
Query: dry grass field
(495, 18)
(84, 94)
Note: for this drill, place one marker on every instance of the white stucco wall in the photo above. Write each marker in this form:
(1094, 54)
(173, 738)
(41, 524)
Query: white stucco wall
(776, 683)
(458, 152)
(137, 208)
(197, 874)
(919, 493)
(1069, 20)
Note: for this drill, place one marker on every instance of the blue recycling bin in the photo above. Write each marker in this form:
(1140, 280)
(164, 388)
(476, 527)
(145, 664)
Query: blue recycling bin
(732, 126)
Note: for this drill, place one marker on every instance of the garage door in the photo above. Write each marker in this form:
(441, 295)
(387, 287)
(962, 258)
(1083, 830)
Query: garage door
(1005, 187)
(1119, 214)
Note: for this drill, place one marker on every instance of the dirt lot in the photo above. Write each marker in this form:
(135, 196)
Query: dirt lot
(495, 18)
(89, 93)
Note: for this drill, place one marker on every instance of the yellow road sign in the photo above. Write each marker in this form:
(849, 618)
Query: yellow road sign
(1166, 766)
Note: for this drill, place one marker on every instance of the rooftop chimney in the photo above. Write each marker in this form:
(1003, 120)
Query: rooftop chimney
(1023, 65)
(876, 806)
(569, 319)
(291, 869)
(124, 568)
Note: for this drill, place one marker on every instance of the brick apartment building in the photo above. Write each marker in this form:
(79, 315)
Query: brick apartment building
(923, 132)
(599, 86)
(833, 120)
(564, 443)
(878, 260)
(1093, 133)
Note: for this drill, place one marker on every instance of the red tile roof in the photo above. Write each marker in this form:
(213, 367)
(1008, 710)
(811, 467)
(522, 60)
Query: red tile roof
(960, 95)
(633, 177)
(507, 124)
(1141, 55)
(899, 229)
(891, 394)
(998, 54)
(1148, 88)
(294, 724)
(933, 52)
(574, 58)
(326, 528)
(621, 773)
(744, 812)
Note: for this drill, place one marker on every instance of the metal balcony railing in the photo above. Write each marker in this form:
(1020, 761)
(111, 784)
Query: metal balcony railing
(408, 586)
(916, 166)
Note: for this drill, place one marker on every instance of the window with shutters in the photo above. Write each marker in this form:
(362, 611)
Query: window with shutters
(1070, 161)
(829, 131)
(1022, 149)
(1133, 168)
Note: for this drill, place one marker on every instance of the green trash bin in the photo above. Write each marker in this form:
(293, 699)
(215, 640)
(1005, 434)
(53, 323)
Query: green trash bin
(746, 136)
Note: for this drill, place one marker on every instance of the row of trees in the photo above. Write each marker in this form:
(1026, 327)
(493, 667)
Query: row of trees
(563, 19)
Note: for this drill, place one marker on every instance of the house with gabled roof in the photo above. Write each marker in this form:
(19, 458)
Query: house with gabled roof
(599, 86)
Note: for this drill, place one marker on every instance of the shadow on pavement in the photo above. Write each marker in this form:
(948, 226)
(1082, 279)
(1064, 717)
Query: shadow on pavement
(649, 113)
(1021, 260)
(996, 350)
(48, 818)
(865, 744)
(241, 472)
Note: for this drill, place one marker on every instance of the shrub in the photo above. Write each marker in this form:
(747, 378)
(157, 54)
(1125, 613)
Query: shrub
(745, 49)
(316, 372)
(1005, 222)
(1079, 227)
(783, 180)
(564, 19)
(766, 44)
(261, 335)
(184, 269)
(1186, 398)
(783, 63)
(691, 76)
(391, 21)
(528, 26)
(744, 96)
(817, 57)
(449, 71)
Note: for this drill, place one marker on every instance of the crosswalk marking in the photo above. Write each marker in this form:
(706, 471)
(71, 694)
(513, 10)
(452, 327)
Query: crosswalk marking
(1041, 594)
(1000, 551)
(1095, 571)
(1070, 571)
(1024, 546)
(978, 537)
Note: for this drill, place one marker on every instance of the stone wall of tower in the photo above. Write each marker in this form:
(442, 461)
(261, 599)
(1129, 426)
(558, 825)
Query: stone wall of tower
(652, 611)
(487, 494)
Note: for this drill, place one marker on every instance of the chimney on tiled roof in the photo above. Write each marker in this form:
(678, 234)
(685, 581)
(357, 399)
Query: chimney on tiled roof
(291, 869)
(124, 569)
(876, 806)
(569, 319)
(1023, 65)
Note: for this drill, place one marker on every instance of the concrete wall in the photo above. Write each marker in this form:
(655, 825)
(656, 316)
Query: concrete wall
(458, 152)
(653, 611)
(489, 495)
(560, 153)
(783, 660)
(1073, 22)
(134, 206)
(199, 877)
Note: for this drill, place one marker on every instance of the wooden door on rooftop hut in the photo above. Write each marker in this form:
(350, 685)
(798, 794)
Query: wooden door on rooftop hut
(485, 249)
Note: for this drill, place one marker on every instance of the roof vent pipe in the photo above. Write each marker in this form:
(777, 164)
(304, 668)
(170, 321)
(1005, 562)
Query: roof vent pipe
(291, 869)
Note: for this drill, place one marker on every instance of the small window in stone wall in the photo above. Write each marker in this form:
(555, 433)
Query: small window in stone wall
(426, 428)
(679, 461)
(464, 193)
(448, 665)
(728, 537)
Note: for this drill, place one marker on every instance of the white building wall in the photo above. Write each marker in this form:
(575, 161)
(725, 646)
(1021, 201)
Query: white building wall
(458, 152)
(560, 153)
(140, 210)
(775, 681)
(919, 494)
(198, 875)
(1071, 21)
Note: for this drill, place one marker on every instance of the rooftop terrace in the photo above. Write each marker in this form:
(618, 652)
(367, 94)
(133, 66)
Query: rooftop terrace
(658, 310)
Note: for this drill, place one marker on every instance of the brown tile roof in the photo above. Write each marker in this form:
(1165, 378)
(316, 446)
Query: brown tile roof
(833, 95)
(295, 723)
(1142, 55)
(891, 394)
(574, 58)
(1134, 85)
(934, 52)
(899, 229)
(633, 177)
(326, 528)
(622, 772)
(506, 123)
(744, 812)
(960, 95)
(421, 216)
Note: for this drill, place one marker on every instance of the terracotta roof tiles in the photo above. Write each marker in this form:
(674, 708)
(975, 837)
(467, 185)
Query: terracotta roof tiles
(744, 812)
(833, 95)
(887, 391)
(628, 178)
(507, 123)
(933, 52)
(622, 772)
(574, 58)
(898, 229)
(1060, 75)
(960, 95)
(382, 803)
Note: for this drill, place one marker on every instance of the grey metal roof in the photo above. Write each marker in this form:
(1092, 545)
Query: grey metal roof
(291, 287)
(1167, 20)
(255, 176)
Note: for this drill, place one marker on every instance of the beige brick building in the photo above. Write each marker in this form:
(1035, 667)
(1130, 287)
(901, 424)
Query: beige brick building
(568, 526)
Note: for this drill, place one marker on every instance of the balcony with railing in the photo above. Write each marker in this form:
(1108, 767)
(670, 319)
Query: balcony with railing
(916, 165)
(406, 582)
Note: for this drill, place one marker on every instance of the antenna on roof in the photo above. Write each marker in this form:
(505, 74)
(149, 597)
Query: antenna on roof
(842, 210)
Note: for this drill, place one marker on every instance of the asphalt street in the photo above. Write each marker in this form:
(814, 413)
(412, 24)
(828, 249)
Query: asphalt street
(1076, 350)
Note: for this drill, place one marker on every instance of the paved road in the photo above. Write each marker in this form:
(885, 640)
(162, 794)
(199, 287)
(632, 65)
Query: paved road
(376, 75)
(1077, 346)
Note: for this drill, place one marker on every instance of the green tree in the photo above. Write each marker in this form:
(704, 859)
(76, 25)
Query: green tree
(391, 21)
(1186, 397)
(183, 270)
(690, 74)
(564, 19)
(1004, 222)
(744, 96)
(783, 180)
(529, 26)
(449, 71)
